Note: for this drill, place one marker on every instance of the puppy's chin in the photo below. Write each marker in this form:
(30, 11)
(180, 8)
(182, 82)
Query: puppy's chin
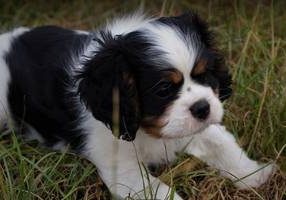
(187, 131)
(180, 127)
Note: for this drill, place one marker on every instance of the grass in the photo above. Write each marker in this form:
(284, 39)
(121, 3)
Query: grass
(253, 37)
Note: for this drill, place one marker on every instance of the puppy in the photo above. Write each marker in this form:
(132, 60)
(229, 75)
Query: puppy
(128, 95)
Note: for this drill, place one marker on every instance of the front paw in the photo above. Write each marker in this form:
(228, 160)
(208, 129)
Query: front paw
(256, 178)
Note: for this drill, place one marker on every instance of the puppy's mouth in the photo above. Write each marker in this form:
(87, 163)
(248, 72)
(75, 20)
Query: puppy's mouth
(153, 127)
(198, 131)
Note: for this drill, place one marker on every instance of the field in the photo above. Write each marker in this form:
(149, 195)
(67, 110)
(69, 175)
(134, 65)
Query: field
(252, 34)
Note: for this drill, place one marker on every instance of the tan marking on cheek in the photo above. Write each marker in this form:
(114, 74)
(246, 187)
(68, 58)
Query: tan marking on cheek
(200, 67)
(153, 126)
(153, 131)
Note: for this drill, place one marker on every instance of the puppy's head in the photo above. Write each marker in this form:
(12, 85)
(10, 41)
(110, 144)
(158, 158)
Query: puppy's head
(170, 78)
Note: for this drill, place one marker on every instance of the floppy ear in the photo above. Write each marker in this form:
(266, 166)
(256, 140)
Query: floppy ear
(105, 74)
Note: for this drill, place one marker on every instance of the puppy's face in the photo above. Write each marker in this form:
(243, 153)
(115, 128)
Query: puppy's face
(170, 77)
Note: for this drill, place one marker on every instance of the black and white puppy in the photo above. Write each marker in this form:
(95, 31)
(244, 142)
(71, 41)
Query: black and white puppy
(164, 78)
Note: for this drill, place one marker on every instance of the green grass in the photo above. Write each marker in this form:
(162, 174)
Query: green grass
(252, 35)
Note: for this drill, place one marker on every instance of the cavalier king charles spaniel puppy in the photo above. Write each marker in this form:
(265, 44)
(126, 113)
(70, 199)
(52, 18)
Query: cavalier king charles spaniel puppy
(126, 96)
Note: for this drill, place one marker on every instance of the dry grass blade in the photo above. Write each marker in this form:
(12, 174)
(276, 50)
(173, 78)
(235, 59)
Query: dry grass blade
(252, 34)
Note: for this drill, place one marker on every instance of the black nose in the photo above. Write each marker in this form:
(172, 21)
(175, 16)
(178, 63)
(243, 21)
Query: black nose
(200, 109)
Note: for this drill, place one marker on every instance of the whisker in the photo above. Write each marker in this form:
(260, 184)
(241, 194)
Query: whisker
(226, 95)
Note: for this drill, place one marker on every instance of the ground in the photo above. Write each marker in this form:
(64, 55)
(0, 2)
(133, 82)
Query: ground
(252, 35)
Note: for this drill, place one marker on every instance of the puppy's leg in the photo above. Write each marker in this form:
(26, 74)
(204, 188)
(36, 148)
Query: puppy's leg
(119, 168)
(218, 148)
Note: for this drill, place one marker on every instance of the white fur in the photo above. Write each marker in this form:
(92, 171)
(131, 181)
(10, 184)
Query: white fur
(117, 161)
(180, 120)
(218, 148)
(178, 50)
(119, 26)
(81, 32)
(128, 24)
(5, 43)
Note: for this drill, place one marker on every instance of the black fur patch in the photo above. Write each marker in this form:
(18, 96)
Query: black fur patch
(40, 62)
(190, 23)
(110, 69)
(146, 92)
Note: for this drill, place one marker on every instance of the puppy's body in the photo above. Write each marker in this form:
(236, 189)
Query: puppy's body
(59, 86)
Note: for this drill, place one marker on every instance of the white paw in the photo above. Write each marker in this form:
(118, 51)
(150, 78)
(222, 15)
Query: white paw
(164, 194)
(258, 178)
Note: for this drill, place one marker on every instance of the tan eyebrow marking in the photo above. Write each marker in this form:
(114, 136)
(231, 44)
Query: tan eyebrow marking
(175, 76)
(200, 67)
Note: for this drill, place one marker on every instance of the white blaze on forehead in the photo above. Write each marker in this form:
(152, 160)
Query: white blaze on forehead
(180, 50)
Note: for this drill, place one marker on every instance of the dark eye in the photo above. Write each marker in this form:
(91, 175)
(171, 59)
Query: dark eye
(206, 79)
(201, 78)
(164, 89)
